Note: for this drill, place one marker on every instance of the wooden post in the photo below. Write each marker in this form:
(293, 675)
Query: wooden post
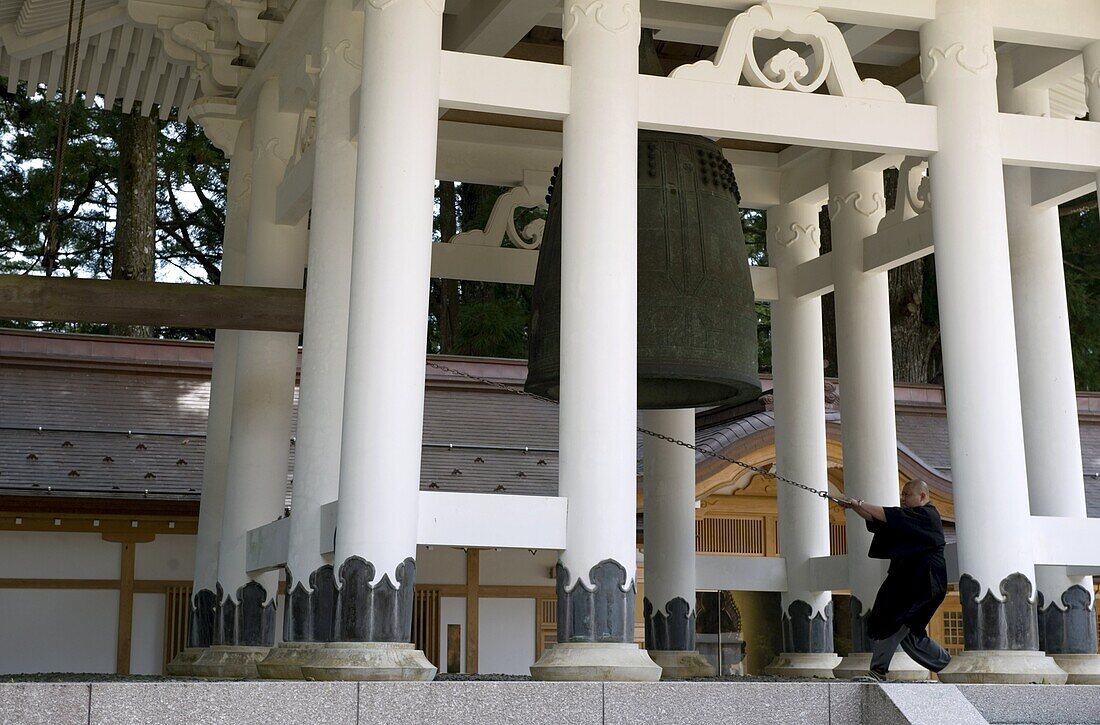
(473, 579)
(125, 608)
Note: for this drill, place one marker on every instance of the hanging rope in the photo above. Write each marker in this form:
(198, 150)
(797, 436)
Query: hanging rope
(69, 66)
(652, 434)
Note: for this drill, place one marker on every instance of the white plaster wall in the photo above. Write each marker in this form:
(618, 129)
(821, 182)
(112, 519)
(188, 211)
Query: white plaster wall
(506, 636)
(452, 610)
(46, 555)
(518, 567)
(147, 634)
(440, 565)
(57, 630)
(169, 556)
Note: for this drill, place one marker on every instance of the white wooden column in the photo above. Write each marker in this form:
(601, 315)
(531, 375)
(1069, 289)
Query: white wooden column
(599, 348)
(309, 616)
(799, 393)
(997, 585)
(1091, 57)
(857, 204)
(375, 556)
(1048, 396)
(204, 598)
(263, 398)
(669, 486)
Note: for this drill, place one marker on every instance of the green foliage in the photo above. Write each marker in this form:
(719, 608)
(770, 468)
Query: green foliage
(1080, 232)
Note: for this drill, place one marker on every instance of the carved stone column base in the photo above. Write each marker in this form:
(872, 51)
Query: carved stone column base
(180, 666)
(229, 661)
(1021, 667)
(284, 662)
(902, 667)
(596, 662)
(681, 663)
(804, 664)
(1082, 669)
(368, 661)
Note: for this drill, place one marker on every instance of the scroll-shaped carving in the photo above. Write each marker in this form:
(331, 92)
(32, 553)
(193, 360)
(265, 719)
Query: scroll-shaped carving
(374, 611)
(1008, 622)
(1071, 627)
(975, 62)
(856, 200)
(603, 612)
(670, 628)
(805, 630)
(219, 120)
(613, 16)
(310, 614)
(791, 233)
(787, 70)
(914, 192)
(502, 219)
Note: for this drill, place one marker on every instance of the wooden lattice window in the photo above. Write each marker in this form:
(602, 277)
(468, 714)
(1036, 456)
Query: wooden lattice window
(426, 623)
(177, 621)
(953, 632)
(838, 539)
(744, 536)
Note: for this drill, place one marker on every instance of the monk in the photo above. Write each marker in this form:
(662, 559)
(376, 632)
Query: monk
(911, 537)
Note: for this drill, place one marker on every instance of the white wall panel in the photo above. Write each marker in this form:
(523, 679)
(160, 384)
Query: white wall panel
(506, 632)
(55, 630)
(46, 555)
(147, 643)
(169, 556)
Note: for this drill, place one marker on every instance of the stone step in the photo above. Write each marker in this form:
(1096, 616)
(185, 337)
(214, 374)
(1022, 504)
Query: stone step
(1036, 704)
(918, 704)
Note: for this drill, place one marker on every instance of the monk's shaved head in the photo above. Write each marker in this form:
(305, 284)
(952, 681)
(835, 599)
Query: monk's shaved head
(916, 486)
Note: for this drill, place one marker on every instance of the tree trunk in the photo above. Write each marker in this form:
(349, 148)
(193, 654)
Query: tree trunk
(135, 224)
(447, 310)
(828, 302)
(914, 328)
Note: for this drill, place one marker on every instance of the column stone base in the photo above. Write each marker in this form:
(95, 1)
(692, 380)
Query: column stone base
(229, 661)
(804, 664)
(595, 662)
(1083, 669)
(681, 663)
(902, 668)
(284, 662)
(180, 666)
(1019, 667)
(367, 661)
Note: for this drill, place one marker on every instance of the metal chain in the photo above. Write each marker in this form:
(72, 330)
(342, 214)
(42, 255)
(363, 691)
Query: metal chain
(653, 434)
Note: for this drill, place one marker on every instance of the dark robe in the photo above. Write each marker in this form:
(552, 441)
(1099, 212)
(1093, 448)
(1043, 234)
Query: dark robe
(916, 584)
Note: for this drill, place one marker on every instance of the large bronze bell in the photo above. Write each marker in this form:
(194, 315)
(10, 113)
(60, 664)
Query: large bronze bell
(697, 342)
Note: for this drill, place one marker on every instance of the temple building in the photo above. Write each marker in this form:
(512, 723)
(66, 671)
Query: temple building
(349, 508)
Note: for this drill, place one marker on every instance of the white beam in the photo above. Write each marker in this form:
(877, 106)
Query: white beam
(1041, 68)
(765, 283)
(503, 85)
(492, 27)
(1051, 143)
(741, 573)
(1066, 541)
(484, 264)
(806, 181)
(898, 244)
(1051, 187)
(482, 520)
(814, 279)
(810, 119)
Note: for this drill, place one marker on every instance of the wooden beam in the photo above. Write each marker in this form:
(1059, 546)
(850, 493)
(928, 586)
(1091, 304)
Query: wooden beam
(125, 609)
(125, 302)
(473, 580)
